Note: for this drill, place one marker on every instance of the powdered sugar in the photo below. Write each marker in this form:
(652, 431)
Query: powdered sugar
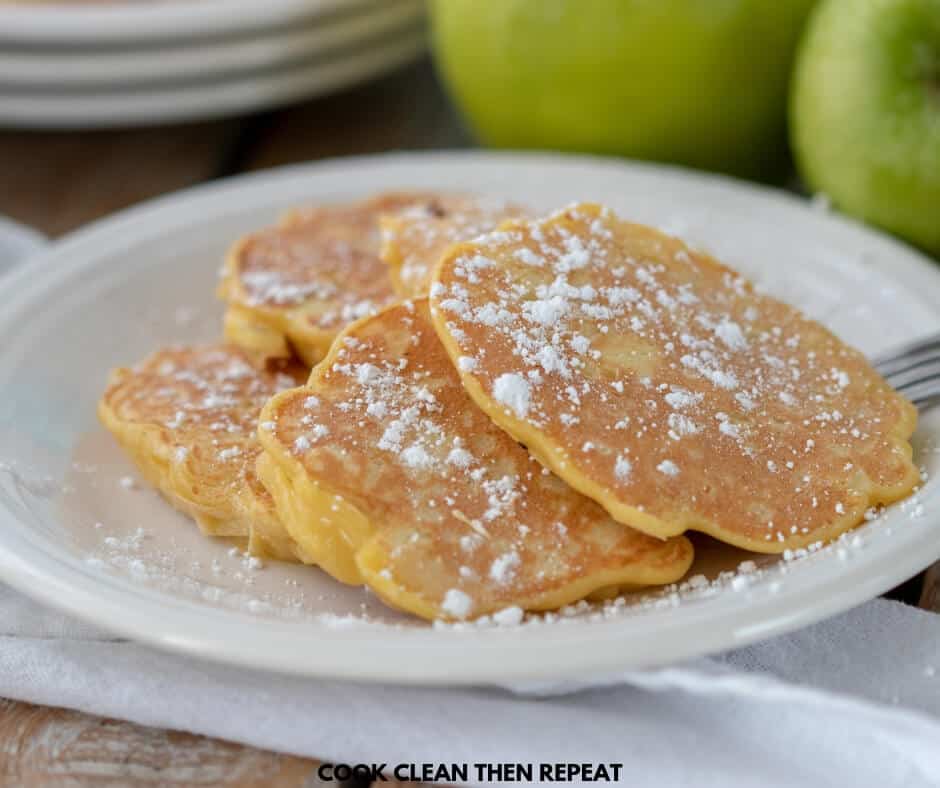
(503, 568)
(668, 467)
(622, 468)
(230, 453)
(681, 399)
(616, 346)
(514, 391)
(272, 287)
(456, 603)
(416, 457)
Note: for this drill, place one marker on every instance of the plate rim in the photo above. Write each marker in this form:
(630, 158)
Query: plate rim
(227, 95)
(57, 579)
(131, 23)
(65, 70)
(25, 240)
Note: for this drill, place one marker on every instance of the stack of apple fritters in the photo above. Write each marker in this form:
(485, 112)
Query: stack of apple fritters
(505, 413)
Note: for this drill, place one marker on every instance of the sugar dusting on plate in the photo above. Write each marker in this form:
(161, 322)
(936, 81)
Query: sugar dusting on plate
(224, 576)
(125, 528)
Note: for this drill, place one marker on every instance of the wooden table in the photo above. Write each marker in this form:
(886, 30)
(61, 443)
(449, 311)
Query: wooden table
(56, 182)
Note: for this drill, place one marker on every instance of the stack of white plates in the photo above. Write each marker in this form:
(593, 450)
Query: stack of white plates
(89, 64)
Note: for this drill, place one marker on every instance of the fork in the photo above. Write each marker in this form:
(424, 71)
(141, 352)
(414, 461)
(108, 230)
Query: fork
(913, 370)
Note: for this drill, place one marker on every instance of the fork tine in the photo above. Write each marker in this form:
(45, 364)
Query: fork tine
(885, 363)
(914, 370)
(923, 394)
(905, 361)
(923, 370)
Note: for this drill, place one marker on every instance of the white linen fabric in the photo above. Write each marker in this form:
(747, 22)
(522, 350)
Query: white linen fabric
(851, 701)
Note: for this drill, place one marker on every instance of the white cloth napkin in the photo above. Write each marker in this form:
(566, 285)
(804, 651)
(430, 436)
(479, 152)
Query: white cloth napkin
(854, 701)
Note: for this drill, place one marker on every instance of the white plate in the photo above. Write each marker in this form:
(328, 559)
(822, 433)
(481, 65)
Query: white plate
(61, 69)
(218, 97)
(111, 293)
(17, 242)
(145, 21)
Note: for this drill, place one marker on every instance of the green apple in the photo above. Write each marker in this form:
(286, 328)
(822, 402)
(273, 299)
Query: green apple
(698, 82)
(865, 112)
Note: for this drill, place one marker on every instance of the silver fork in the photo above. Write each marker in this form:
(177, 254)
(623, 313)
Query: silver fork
(914, 370)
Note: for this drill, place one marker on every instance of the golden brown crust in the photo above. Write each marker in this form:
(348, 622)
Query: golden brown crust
(658, 382)
(386, 473)
(291, 287)
(188, 418)
(414, 238)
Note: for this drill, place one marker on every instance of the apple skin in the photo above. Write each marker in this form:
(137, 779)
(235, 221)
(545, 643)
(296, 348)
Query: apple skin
(865, 112)
(697, 82)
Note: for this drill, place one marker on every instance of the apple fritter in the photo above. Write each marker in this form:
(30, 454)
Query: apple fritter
(658, 382)
(385, 473)
(188, 418)
(290, 288)
(413, 239)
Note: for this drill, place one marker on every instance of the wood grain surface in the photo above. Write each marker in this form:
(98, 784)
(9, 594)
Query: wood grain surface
(57, 181)
(47, 747)
(930, 593)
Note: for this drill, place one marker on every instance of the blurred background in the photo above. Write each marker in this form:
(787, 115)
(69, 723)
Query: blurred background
(106, 104)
